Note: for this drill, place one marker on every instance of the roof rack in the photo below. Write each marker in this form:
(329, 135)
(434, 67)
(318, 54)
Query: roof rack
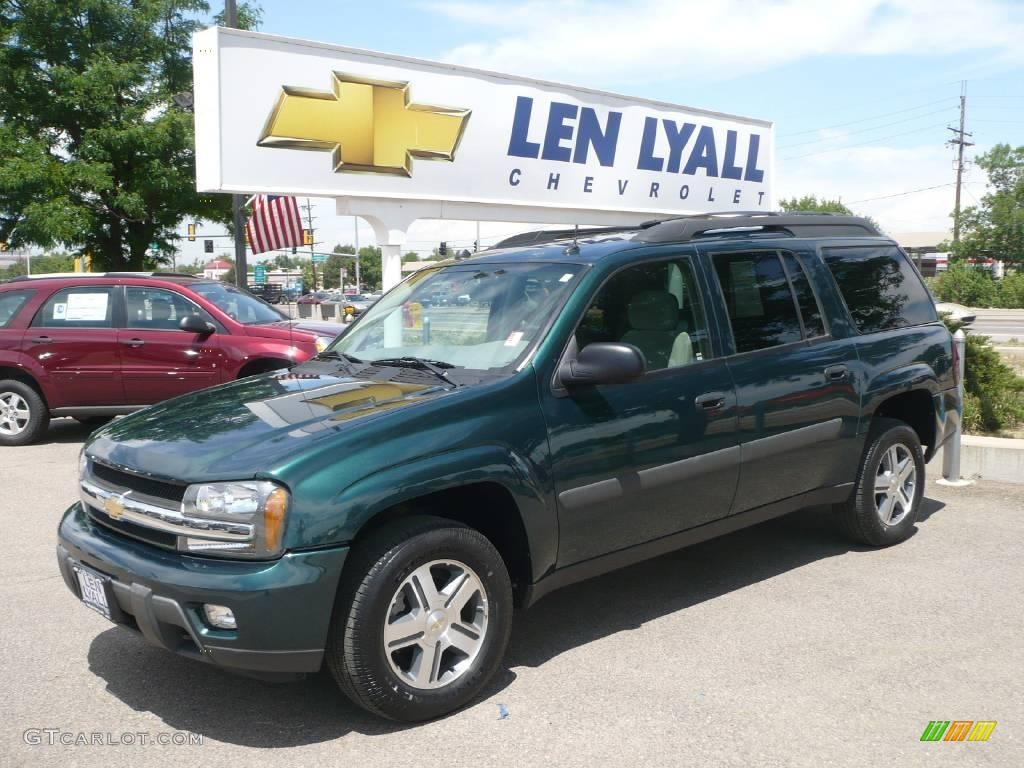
(541, 236)
(681, 229)
(793, 224)
(45, 275)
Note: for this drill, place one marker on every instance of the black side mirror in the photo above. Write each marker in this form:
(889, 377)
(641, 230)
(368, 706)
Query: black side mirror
(196, 324)
(603, 363)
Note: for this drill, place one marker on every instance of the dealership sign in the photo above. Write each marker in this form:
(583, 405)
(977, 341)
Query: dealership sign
(284, 116)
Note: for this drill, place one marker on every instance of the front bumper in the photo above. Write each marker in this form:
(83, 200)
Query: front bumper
(283, 607)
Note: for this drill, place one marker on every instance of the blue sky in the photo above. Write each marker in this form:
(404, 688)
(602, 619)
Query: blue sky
(861, 91)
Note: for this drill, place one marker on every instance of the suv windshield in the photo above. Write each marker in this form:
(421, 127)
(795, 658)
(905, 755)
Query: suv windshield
(238, 305)
(480, 318)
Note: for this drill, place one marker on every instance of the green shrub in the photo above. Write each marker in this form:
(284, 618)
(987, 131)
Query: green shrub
(964, 284)
(1011, 291)
(994, 392)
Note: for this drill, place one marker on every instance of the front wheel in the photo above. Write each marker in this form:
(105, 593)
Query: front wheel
(887, 495)
(23, 414)
(422, 619)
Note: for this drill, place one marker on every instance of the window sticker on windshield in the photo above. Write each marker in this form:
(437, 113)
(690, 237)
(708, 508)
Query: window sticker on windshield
(60, 311)
(86, 306)
(513, 338)
(565, 278)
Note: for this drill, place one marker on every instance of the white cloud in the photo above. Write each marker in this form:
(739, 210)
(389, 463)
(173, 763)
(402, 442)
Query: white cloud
(656, 40)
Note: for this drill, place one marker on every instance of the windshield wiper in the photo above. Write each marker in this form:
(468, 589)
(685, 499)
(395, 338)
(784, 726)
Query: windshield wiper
(436, 367)
(336, 355)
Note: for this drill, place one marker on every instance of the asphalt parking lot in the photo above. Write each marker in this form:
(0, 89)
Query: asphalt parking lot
(775, 646)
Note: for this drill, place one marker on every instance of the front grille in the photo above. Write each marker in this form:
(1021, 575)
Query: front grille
(156, 488)
(125, 528)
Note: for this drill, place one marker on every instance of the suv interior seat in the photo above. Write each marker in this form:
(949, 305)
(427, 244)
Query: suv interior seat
(654, 321)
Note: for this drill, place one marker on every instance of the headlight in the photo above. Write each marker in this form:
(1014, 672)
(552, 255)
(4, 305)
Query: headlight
(252, 512)
(322, 343)
(83, 463)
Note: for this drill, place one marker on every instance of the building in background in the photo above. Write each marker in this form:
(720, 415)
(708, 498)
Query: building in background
(216, 269)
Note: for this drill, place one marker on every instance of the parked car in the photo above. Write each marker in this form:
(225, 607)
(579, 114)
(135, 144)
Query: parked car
(384, 508)
(91, 346)
(269, 292)
(358, 302)
(957, 312)
(316, 297)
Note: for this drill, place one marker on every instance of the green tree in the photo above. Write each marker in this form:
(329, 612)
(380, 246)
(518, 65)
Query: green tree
(97, 155)
(811, 204)
(995, 228)
(50, 262)
(410, 256)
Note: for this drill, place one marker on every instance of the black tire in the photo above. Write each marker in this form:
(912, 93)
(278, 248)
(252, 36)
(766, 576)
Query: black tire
(39, 414)
(860, 518)
(376, 570)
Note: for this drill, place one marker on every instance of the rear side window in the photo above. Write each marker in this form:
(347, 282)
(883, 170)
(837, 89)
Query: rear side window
(814, 325)
(762, 312)
(880, 287)
(10, 303)
(85, 307)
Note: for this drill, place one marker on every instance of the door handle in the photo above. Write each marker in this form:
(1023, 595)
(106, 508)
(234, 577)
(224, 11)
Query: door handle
(709, 401)
(42, 340)
(836, 372)
(133, 342)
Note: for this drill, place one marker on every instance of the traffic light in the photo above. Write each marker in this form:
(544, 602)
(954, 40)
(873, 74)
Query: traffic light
(443, 250)
(307, 237)
(208, 246)
(191, 233)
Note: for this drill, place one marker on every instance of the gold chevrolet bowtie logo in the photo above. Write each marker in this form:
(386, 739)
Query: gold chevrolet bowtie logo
(114, 506)
(369, 126)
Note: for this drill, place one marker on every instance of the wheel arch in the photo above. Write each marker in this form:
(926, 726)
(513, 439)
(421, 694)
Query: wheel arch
(19, 373)
(262, 365)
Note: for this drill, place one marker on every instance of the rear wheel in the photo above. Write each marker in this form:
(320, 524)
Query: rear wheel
(23, 414)
(890, 483)
(422, 619)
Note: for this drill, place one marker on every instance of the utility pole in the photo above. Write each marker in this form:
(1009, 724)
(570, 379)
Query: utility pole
(959, 142)
(312, 248)
(237, 201)
(355, 222)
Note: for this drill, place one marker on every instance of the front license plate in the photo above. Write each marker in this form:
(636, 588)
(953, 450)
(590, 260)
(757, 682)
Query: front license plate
(94, 589)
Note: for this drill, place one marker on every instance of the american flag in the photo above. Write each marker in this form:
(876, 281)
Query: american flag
(274, 223)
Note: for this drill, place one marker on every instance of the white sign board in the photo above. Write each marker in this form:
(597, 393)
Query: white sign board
(285, 116)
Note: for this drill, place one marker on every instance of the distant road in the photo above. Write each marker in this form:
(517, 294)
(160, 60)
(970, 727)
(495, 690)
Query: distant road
(1000, 324)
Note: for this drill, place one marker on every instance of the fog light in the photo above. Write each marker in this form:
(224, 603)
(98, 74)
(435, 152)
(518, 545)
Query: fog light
(220, 616)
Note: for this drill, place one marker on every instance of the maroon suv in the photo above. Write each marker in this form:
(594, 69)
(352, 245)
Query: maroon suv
(94, 346)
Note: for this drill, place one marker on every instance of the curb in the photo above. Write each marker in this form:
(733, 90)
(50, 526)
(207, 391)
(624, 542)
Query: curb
(988, 458)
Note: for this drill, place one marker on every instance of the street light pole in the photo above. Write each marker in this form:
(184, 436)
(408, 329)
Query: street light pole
(237, 201)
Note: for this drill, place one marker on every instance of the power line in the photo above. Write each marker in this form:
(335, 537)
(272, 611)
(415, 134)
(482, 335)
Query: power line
(901, 194)
(865, 143)
(872, 128)
(868, 119)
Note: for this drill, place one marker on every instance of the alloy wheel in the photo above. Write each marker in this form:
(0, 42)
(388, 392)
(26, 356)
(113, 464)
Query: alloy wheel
(14, 414)
(436, 624)
(895, 484)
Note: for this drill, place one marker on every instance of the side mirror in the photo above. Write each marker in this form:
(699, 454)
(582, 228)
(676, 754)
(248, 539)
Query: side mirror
(196, 324)
(603, 363)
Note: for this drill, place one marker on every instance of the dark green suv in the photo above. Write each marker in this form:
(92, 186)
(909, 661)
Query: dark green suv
(595, 399)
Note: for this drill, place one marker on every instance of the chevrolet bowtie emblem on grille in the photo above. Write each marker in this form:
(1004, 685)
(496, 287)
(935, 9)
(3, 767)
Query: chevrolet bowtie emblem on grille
(369, 126)
(114, 506)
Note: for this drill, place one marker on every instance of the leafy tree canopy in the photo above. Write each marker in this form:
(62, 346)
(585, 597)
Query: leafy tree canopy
(98, 157)
(811, 204)
(994, 229)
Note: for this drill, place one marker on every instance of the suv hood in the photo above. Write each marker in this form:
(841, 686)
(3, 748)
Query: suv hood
(282, 330)
(251, 426)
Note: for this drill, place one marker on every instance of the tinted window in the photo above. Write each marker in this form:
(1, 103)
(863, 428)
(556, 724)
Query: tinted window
(880, 287)
(10, 303)
(655, 307)
(814, 325)
(158, 309)
(758, 298)
(84, 307)
(238, 305)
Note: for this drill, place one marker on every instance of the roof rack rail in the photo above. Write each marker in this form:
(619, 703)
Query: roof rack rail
(541, 236)
(793, 224)
(45, 275)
